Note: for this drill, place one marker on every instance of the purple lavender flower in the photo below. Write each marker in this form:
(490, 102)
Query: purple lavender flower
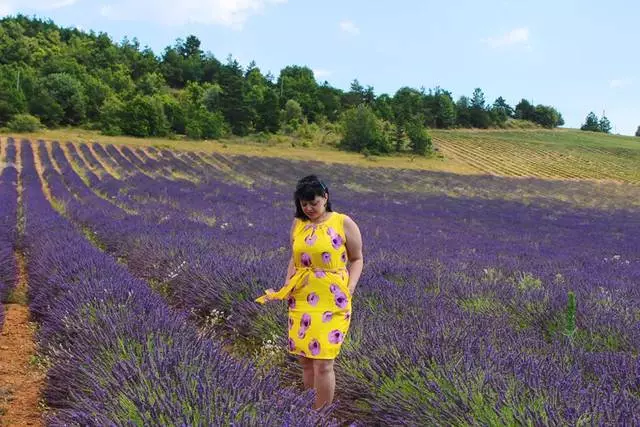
(313, 299)
(336, 337)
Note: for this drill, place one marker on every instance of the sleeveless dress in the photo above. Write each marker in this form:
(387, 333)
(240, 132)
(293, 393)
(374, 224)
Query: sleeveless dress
(317, 295)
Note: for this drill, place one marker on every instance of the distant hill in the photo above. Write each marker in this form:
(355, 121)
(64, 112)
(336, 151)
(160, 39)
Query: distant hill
(560, 153)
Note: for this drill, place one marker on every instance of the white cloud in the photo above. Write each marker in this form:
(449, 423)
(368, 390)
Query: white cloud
(320, 73)
(513, 37)
(349, 27)
(620, 83)
(8, 7)
(229, 13)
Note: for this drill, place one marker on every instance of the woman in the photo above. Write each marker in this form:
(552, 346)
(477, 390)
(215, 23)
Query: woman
(318, 285)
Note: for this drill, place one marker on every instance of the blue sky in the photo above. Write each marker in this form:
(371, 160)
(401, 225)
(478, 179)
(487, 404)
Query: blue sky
(577, 55)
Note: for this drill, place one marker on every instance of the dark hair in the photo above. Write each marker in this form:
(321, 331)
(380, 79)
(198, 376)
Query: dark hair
(307, 189)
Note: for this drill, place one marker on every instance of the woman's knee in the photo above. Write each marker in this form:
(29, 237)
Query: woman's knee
(307, 364)
(322, 366)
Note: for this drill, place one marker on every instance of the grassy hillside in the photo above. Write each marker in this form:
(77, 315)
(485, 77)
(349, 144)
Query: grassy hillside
(558, 154)
(553, 154)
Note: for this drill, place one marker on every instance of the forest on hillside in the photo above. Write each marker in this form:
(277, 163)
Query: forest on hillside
(53, 76)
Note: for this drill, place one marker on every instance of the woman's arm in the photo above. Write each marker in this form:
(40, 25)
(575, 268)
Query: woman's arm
(354, 252)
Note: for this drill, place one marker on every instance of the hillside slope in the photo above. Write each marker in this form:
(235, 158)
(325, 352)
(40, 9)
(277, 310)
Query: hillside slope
(558, 154)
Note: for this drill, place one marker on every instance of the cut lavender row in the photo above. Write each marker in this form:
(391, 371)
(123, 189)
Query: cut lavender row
(8, 221)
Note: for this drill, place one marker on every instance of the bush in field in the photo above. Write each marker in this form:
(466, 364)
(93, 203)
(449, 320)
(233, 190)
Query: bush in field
(363, 130)
(144, 116)
(24, 123)
(419, 138)
(205, 124)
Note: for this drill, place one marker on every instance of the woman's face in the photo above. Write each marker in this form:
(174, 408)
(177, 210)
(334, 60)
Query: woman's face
(315, 208)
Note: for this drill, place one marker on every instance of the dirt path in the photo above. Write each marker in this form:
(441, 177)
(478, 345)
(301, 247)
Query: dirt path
(21, 380)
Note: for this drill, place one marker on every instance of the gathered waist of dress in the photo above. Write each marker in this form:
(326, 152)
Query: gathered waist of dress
(325, 270)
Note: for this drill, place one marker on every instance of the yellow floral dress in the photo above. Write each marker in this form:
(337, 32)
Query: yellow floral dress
(317, 294)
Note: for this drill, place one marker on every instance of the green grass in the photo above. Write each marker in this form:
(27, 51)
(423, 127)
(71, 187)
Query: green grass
(558, 154)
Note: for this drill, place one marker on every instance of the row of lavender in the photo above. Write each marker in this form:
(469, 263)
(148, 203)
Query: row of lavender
(119, 355)
(8, 222)
(491, 344)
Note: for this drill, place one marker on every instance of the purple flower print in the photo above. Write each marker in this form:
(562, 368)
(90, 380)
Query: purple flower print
(292, 345)
(302, 353)
(314, 347)
(327, 316)
(305, 321)
(331, 232)
(343, 256)
(313, 299)
(333, 288)
(341, 300)
(311, 239)
(301, 333)
(320, 274)
(336, 241)
(305, 258)
(290, 323)
(291, 302)
(336, 337)
(326, 257)
(347, 315)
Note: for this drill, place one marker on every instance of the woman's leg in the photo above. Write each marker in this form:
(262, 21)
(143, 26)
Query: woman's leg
(307, 372)
(325, 382)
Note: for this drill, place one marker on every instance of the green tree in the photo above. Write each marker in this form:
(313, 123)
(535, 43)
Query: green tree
(444, 110)
(463, 112)
(525, 111)
(12, 98)
(547, 116)
(68, 92)
(144, 116)
(112, 114)
(232, 97)
(638, 132)
(298, 83)
(479, 116)
(293, 114)
(364, 131)
(591, 123)
(419, 138)
(604, 125)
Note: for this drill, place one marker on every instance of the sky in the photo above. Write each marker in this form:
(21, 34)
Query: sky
(576, 55)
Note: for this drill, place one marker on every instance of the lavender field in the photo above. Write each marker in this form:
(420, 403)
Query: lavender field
(484, 300)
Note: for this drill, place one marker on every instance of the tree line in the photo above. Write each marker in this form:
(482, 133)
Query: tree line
(58, 76)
